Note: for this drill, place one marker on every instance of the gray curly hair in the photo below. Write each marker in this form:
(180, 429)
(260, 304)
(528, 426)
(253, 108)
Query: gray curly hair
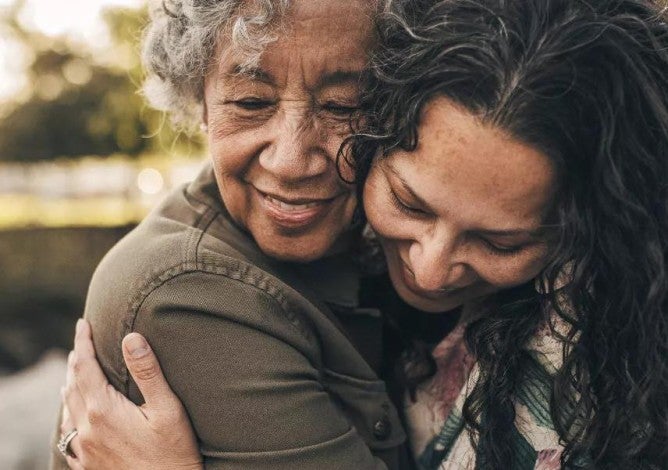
(180, 40)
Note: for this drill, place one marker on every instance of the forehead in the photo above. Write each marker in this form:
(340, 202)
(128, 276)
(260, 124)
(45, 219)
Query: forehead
(475, 173)
(314, 39)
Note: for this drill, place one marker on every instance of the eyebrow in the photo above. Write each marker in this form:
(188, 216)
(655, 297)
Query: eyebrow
(253, 73)
(489, 232)
(340, 77)
(337, 77)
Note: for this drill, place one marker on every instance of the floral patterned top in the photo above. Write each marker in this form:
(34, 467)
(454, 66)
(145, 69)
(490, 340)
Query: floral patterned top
(438, 436)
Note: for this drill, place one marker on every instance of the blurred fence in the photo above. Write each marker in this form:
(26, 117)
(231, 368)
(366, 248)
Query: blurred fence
(57, 220)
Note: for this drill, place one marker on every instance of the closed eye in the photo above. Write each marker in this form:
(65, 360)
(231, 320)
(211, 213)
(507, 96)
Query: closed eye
(501, 250)
(251, 104)
(339, 109)
(405, 208)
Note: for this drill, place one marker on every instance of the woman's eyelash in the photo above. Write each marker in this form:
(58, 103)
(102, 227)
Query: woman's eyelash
(502, 251)
(251, 104)
(403, 207)
(339, 109)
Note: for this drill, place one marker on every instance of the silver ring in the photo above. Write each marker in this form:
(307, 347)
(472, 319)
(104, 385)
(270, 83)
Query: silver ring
(64, 443)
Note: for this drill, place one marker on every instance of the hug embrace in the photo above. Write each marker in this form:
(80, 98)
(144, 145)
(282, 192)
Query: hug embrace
(432, 234)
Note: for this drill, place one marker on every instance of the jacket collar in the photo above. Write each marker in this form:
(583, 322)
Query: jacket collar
(334, 279)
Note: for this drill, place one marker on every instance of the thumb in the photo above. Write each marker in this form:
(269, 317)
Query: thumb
(143, 365)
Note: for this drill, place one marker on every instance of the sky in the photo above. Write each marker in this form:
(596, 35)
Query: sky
(78, 19)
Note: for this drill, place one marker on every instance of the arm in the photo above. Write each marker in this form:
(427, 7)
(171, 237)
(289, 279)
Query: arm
(249, 384)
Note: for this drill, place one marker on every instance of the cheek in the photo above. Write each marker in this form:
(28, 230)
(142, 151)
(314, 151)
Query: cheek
(233, 153)
(385, 219)
(507, 272)
(378, 213)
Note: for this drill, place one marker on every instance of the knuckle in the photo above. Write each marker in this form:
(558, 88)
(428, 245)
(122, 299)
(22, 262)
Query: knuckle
(174, 418)
(170, 412)
(85, 443)
(96, 414)
(145, 370)
(77, 364)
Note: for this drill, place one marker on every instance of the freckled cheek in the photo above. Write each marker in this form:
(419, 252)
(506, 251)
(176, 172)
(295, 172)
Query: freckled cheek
(503, 273)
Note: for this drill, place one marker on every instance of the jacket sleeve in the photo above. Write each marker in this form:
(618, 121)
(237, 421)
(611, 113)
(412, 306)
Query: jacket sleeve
(247, 372)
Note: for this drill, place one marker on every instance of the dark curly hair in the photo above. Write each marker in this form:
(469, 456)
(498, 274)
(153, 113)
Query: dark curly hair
(585, 82)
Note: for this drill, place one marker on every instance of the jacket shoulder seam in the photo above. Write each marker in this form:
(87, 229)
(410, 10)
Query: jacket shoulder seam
(240, 274)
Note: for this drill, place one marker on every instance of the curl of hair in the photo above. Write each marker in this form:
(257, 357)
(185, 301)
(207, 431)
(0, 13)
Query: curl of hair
(181, 38)
(585, 82)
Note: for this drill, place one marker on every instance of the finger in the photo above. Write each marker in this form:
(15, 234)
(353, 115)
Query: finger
(66, 426)
(75, 447)
(145, 370)
(66, 423)
(87, 372)
(74, 463)
(74, 409)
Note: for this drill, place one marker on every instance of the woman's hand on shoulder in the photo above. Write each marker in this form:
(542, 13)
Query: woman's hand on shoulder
(115, 433)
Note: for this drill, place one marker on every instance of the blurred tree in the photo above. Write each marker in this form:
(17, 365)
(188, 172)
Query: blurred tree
(82, 106)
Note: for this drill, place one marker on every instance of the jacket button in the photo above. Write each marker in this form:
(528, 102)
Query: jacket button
(382, 428)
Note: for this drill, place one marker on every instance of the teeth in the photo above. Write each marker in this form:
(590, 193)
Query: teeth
(290, 207)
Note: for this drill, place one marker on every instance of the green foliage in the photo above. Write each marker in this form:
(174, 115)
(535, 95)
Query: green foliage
(81, 106)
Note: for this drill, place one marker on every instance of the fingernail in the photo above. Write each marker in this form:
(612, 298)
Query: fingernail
(137, 345)
(79, 325)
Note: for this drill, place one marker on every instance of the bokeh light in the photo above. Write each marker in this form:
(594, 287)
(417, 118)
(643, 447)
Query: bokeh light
(150, 181)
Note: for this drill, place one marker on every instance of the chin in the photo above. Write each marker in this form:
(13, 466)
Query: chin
(294, 251)
(430, 306)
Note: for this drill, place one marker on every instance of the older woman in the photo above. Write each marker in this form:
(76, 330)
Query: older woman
(514, 161)
(245, 281)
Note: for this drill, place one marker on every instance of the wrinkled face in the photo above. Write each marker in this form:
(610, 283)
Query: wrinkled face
(274, 132)
(461, 216)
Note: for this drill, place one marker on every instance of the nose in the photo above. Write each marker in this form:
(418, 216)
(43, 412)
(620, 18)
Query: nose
(297, 149)
(436, 262)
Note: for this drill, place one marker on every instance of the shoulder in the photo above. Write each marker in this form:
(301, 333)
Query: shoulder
(187, 263)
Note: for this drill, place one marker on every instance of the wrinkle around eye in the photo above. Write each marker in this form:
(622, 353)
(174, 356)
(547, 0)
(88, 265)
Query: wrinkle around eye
(339, 123)
(228, 120)
(249, 104)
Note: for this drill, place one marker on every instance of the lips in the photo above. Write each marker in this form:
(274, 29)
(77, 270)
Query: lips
(294, 204)
(294, 212)
(409, 280)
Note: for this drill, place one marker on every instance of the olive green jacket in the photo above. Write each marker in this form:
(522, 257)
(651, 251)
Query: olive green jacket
(272, 360)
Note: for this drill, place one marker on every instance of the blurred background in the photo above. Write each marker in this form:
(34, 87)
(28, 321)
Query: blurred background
(82, 160)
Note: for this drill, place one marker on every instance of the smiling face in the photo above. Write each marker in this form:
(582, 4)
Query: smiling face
(274, 131)
(462, 215)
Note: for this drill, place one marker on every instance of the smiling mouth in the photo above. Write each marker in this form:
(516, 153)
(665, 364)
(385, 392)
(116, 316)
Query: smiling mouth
(294, 212)
(294, 205)
(409, 279)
